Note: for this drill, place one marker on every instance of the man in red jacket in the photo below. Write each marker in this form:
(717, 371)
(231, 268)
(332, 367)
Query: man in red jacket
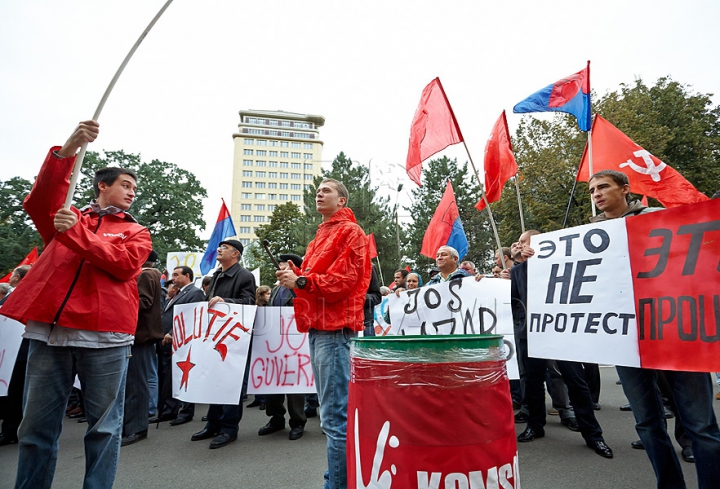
(79, 303)
(330, 289)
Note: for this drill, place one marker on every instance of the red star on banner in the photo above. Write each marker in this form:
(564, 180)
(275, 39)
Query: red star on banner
(185, 366)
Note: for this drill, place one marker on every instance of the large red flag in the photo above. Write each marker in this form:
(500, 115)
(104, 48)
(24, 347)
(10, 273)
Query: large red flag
(373, 246)
(500, 163)
(433, 129)
(445, 227)
(28, 260)
(613, 150)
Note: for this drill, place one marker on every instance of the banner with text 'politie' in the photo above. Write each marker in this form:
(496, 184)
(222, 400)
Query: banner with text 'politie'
(642, 291)
(210, 348)
(461, 306)
(280, 358)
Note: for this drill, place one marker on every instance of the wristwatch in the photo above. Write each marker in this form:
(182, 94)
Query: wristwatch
(301, 282)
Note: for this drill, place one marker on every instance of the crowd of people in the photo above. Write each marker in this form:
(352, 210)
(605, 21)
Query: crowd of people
(99, 262)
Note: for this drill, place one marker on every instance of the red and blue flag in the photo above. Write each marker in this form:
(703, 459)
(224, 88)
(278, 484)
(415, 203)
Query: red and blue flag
(224, 229)
(445, 228)
(571, 95)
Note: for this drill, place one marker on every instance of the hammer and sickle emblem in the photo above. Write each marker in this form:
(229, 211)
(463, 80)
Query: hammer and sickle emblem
(651, 169)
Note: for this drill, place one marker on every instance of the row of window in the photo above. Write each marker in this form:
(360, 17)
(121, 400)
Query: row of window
(274, 164)
(248, 195)
(283, 154)
(293, 186)
(275, 122)
(282, 144)
(285, 134)
(258, 207)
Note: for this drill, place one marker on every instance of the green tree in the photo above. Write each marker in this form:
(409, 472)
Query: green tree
(17, 233)
(373, 213)
(426, 198)
(168, 200)
(284, 234)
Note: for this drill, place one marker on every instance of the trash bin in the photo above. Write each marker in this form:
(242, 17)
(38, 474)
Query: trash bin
(430, 412)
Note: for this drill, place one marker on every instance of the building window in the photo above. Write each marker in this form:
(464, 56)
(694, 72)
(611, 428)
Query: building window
(283, 186)
(259, 218)
(247, 173)
(295, 197)
(261, 152)
(273, 143)
(307, 145)
(272, 197)
(271, 207)
(284, 164)
(244, 230)
(244, 218)
(308, 187)
(273, 164)
(260, 196)
(245, 207)
(273, 122)
(284, 144)
(260, 174)
(285, 134)
(247, 184)
(283, 175)
(252, 120)
(295, 145)
(272, 185)
(283, 197)
(246, 195)
(272, 174)
(247, 151)
(259, 184)
(294, 186)
(307, 156)
(247, 162)
(249, 142)
(284, 154)
(261, 142)
(286, 123)
(259, 207)
(293, 155)
(260, 163)
(295, 176)
(295, 165)
(308, 176)
(308, 166)
(245, 241)
(273, 153)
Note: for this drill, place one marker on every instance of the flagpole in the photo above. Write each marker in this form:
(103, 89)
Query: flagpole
(487, 205)
(590, 168)
(522, 218)
(382, 280)
(96, 115)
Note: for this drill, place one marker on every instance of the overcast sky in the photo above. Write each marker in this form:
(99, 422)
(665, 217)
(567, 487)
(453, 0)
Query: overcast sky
(361, 65)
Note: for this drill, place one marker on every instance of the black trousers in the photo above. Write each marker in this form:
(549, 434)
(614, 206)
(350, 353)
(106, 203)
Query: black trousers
(296, 408)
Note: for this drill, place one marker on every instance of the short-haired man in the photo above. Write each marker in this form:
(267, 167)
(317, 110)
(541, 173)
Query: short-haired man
(692, 390)
(330, 287)
(446, 261)
(507, 258)
(400, 276)
(469, 267)
(234, 284)
(78, 302)
(172, 409)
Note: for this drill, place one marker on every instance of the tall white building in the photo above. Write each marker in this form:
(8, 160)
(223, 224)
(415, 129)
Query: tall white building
(277, 155)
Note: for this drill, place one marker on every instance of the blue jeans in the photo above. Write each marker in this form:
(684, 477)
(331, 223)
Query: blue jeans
(330, 358)
(49, 380)
(693, 397)
(153, 383)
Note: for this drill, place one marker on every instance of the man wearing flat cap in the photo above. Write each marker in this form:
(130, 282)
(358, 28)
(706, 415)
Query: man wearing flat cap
(234, 284)
(280, 296)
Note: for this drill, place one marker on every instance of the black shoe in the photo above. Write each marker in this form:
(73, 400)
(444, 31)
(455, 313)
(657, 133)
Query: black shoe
(601, 448)
(570, 423)
(637, 445)
(204, 435)
(625, 407)
(134, 438)
(521, 417)
(297, 432)
(687, 455)
(270, 428)
(160, 419)
(596, 406)
(204, 418)
(8, 439)
(221, 440)
(310, 411)
(262, 406)
(253, 404)
(529, 435)
(180, 420)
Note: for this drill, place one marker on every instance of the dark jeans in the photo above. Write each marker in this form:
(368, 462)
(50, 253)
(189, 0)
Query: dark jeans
(693, 396)
(137, 390)
(276, 410)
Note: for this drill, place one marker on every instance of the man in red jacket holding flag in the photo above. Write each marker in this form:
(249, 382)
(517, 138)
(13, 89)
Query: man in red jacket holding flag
(330, 289)
(79, 303)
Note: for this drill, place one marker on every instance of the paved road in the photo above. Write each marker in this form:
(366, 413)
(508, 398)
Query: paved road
(168, 459)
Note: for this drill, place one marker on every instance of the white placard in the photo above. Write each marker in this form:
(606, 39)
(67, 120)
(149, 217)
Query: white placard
(10, 338)
(182, 258)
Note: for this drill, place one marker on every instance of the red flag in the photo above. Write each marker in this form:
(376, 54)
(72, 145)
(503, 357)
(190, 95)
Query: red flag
(644, 200)
(373, 246)
(433, 129)
(28, 260)
(500, 163)
(445, 227)
(613, 150)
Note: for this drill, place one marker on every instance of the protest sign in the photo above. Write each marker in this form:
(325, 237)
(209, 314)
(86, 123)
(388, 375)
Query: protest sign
(640, 291)
(210, 349)
(461, 306)
(382, 327)
(10, 338)
(280, 358)
(181, 258)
